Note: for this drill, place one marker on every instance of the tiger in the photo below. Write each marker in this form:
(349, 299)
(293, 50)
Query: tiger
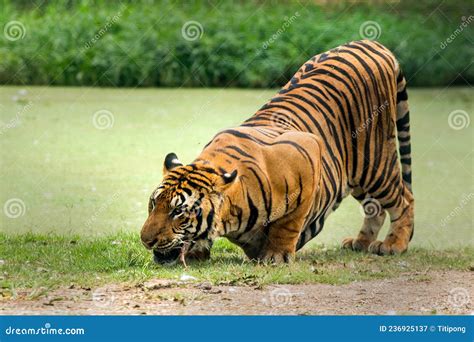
(269, 184)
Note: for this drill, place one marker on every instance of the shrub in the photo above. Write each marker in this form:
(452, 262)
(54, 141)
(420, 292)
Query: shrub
(141, 44)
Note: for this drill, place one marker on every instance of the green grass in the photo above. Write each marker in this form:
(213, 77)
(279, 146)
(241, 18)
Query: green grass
(44, 262)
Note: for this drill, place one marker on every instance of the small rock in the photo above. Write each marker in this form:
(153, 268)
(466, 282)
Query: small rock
(204, 286)
(214, 291)
(403, 264)
(156, 284)
(187, 277)
(51, 301)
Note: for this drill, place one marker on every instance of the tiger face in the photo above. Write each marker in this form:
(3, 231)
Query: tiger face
(182, 210)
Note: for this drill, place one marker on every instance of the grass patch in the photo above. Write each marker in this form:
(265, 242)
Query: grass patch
(44, 262)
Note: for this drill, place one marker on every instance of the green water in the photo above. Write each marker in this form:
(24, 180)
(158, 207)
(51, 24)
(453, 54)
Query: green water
(72, 177)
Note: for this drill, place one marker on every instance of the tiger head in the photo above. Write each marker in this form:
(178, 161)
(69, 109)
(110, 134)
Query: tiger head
(184, 209)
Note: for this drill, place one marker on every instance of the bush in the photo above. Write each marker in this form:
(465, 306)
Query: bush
(243, 44)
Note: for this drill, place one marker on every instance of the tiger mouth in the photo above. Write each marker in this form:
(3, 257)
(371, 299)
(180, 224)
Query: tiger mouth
(169, 257)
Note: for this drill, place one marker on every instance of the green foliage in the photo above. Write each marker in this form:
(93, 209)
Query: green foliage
(140, 43)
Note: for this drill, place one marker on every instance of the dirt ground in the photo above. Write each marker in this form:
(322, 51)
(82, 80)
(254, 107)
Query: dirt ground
(448, 292)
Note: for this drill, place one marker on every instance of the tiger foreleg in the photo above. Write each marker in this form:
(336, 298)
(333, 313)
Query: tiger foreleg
(200, 251)
(295, 159)
(281, 241)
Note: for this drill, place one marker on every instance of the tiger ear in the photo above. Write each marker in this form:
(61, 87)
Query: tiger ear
(171, 161)
(226, 180)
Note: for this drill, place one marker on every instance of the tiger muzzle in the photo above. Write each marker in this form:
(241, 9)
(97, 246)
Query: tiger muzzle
(168, 256)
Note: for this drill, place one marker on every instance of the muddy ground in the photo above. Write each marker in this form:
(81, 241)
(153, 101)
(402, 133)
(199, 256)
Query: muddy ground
(449, 292)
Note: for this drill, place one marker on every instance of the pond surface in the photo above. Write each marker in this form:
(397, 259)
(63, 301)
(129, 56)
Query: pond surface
(66, 169)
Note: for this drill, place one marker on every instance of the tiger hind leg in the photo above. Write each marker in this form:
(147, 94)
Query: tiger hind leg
(401, 205)
(401, 227)
(373, 222)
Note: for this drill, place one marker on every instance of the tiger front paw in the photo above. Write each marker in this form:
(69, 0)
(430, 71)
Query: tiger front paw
(355, 244)
(387, 247)
(276, 257)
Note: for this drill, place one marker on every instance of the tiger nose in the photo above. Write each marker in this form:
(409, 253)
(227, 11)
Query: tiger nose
(148, 240)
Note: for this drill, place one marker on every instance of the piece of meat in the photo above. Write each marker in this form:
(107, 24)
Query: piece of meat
(182, 255)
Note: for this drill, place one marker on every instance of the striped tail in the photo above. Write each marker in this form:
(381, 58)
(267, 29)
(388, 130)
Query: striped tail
(403, 129)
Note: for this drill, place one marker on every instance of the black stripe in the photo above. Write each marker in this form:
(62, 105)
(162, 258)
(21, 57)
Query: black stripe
(402, 96)
(406, 161)
(403, 121)
(405, 149)
(407, 177)
(210, 217)
(239, 150)
(300, 185)
(262, 190)
(253, 216)
(233, 156)
(399, 77)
